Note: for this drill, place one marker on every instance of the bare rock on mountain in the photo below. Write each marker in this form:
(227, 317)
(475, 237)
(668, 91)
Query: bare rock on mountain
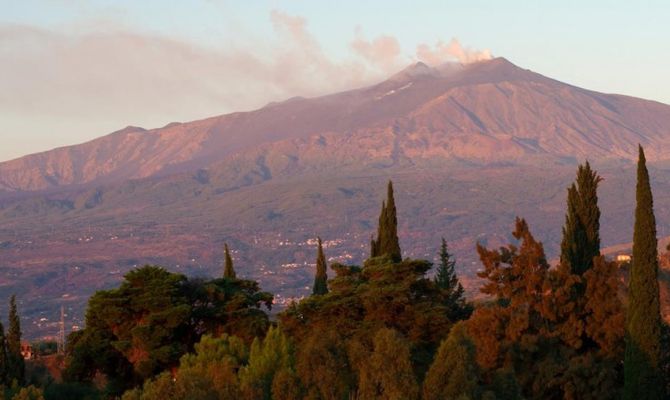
(486, 112)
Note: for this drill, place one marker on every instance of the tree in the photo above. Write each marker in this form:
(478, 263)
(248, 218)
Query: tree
(266, 358)
(28, 393)
(454, 373)
(143, 327)
(581, 233)
(387, 374)
(4, 367)
(513, 331)
(642, 376)
(387, 242)
(321, 277)
(323, 366)
(16, 362)
(362, 300)
(208, 373)
(447, 280)
(228, 270)
(534, 329)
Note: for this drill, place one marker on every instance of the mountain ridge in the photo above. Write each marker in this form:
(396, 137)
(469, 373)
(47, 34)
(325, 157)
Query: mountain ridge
(451, 106)
(469, 149)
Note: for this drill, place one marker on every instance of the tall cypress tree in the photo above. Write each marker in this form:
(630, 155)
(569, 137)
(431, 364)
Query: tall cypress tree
(228, 270)
(642, 375)
(581, 233)
(321, 277)
(387, 242)
(16, 362)
(4, 367)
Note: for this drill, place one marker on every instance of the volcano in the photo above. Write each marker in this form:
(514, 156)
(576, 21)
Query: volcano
(469, 147)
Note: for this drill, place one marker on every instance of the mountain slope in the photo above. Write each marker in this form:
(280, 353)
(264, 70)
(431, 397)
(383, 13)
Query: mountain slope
(469, 148)
(485, 112)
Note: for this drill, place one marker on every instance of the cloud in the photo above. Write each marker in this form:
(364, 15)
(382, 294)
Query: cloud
(382, 53)
(69, 85)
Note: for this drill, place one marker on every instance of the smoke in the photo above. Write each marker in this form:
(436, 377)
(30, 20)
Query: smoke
(65, 86)
(448, 52)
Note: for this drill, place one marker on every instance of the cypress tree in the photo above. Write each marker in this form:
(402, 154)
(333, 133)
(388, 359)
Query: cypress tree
(16, 362)
(642, 376)
(4, 368)
(321, 277)
(387, 242)
(228, 270)
(581, 233)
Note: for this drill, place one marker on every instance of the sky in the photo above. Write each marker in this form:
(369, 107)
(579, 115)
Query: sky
(74, 70)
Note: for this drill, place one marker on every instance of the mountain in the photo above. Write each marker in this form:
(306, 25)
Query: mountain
(485, 112)
(469, 148)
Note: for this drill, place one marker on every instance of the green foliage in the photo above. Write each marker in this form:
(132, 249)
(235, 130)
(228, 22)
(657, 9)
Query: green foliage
(323, 366)
(228, 270)
(286, 385)
(452, 290)
(70, 391)
(387, 243)
(28, 393)
(16, 363)
(643, 378)
(231, 306)
(387, 373)
(266, 358)
(321, 277)
(454, 373)
(361, 301)
(211, 350)
(209, 373)
(4, 361)
(143, 327)
(581, 232)
(45, 347)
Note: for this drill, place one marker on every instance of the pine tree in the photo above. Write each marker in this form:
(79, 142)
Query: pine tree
(321, 278)
(642, 377)
(16, 362)
(447, 280)
(581, 233)
(4, 368)
(387, 242)
(228, 270)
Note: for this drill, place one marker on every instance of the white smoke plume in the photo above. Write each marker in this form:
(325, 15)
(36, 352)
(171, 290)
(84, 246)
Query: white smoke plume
(79, 83)
(448, 52)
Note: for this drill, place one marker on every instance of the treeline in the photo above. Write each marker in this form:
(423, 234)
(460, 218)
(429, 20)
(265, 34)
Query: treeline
(387, 330)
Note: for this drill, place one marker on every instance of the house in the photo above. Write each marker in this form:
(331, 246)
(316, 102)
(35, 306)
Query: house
(27, 351)
(623, 258)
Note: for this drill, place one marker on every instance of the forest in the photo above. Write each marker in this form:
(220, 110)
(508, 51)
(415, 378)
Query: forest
(392, 328)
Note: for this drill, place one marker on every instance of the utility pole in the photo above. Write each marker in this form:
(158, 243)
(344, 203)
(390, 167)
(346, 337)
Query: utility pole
(61, 332)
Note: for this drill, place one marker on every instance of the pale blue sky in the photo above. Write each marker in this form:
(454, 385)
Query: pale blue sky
(73, 70)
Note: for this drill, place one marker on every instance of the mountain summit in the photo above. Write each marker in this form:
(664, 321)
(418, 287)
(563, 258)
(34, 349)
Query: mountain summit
(468, 147)
(485, 112)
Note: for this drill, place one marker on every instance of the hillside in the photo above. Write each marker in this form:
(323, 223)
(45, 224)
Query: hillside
(468, 147)
(486, 112)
